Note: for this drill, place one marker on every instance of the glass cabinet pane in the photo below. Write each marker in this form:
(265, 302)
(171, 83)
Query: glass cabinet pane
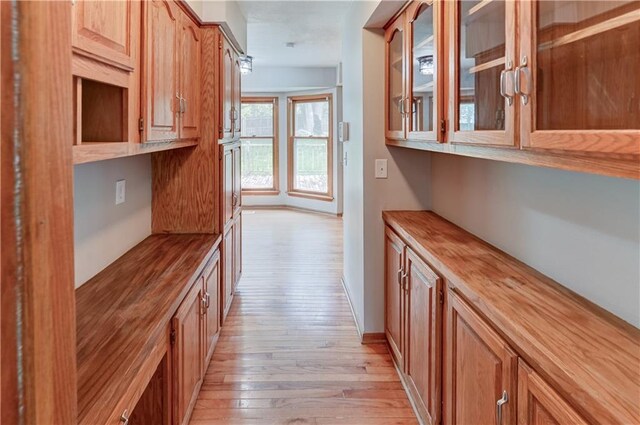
(482, 57)
(588, 57)
(422, 70)
(396, 65)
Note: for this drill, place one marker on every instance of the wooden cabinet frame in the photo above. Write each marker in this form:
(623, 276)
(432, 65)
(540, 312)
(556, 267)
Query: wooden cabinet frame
(505, 357)
(608, 152)
(503, 138)
(397, 27)
(412, 12)
(620, 143)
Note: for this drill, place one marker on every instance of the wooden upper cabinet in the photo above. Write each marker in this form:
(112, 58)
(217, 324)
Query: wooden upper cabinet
(394, 253)
(227, 67)
(106, 30)
(160, 78)
(237, 97)
(396, 98)
(211, 295)
(539, 403)
(481, 370)
(579, 88)
(190, 81)
(482, 107)
(424, 70)
(188, 351)
(423, 340)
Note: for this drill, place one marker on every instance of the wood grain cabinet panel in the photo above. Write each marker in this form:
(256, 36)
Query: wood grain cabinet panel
(237, 97)
(237, 251)
(227, 273)
(578, 92)
(423, 337)
(212, 277)
(190, 53)
(396, 64)
(237, 179)
(228, 194)
(188, 352)
(106, 30)
(539, 403)
(226, 88)
(160, 71)
(394, 294)
(481, 369)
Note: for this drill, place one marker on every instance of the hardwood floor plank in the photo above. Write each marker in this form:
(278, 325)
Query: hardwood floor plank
(289, 352)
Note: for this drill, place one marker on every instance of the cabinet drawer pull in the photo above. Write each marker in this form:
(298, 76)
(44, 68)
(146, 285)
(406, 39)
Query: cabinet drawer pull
(124, 418)
(499, 403)
(518, 85)
(503, 81)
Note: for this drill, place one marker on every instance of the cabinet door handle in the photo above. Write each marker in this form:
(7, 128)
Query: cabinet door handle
(234, 200)
(401, 105)
(124, 418)
(179, 99)
(207, 298)
(503, 81)
(499, 403)
(184, 105)
(518, 86)
(405, 281)
(400, 276)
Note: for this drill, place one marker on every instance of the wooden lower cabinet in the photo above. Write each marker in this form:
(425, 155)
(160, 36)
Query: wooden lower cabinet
(481, 370)
(539, 403)
(212, 318)
(226, 291)
(237, 251)
(394, 269)
(423, 341)
(188, 350)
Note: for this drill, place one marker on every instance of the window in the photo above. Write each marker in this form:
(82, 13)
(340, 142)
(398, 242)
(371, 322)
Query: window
(259, 146)
(310, 153)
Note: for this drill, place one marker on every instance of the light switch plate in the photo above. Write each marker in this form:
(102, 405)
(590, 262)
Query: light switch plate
(120, 191)
(381, 168)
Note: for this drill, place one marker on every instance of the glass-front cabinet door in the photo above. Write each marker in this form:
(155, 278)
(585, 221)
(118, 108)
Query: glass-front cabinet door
(578, 77)
(482, 106)
(396, 103)
(424, 112)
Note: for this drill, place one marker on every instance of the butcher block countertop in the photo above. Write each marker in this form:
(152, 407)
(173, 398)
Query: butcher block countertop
(125, 310)
(591, 357)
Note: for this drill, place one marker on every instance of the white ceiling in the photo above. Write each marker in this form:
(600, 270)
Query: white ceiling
(314, 26)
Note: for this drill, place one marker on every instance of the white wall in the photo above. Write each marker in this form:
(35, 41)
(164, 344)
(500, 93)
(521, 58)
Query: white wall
(227, 14)
(333, 207)
(281, 79)
(581, 230)
(365, 197)
(104, 231)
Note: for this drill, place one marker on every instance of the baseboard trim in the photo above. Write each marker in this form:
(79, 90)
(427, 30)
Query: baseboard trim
(373, 338)
(290, 208)
(353, 312)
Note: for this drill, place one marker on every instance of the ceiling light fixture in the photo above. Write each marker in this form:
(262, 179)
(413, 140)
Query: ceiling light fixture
(425, 64)
(290, 44)
(246, 65)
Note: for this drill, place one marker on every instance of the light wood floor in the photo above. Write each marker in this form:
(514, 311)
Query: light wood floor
(289, 352)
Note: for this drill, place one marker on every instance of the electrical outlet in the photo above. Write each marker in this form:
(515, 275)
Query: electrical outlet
(381, 168)
(120, 191)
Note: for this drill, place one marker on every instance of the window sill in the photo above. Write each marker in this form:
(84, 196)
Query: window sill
(308, 195)
(267, 192)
